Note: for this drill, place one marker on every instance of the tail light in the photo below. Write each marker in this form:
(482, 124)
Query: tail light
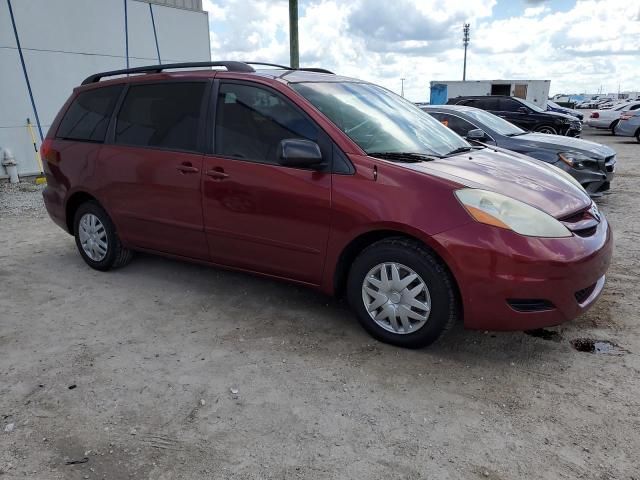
(47, 152)
(595, 115)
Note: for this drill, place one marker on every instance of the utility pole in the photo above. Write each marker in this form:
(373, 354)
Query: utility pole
(294, 51)
(402, 87)
(465, 42)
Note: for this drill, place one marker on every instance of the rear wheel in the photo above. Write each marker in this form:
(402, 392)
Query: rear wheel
(612, 127)
(96, 238)
(546, 129)
(402, 294)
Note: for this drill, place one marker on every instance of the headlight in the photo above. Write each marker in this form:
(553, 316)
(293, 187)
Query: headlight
(573, 159)
(501, 211)
(563, 120)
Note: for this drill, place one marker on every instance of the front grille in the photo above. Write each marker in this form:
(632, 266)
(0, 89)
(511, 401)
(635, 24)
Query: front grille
(582, 223)
(583, 294)
(530, 304)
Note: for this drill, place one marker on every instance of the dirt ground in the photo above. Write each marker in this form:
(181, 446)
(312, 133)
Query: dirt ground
(167, 370)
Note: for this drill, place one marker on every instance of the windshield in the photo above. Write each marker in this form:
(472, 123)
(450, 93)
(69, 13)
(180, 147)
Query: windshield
(380, 121)
(553, 104)
(532, 106)
(494, 122)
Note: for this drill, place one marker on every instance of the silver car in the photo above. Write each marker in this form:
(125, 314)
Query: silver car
(629, 125)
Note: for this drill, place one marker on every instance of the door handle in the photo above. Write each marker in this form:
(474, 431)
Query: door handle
(187, 168)
(217, 173)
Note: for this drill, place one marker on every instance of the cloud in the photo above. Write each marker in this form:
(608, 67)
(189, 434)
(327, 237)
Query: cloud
(593, 43)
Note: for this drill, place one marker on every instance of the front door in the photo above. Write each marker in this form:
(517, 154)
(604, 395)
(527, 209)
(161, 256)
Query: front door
(153, 171)
(259, 215)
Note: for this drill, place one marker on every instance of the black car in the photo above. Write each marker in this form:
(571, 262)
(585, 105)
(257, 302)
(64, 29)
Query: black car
(524, 114)
(592, 164)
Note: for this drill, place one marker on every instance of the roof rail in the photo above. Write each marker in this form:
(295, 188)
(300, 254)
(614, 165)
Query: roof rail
(230, 66)
(304, 69)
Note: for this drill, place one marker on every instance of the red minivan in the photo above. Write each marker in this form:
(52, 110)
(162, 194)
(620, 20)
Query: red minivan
(326, 181)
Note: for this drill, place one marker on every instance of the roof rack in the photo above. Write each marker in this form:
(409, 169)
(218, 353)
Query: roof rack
(284, 67)
(231, 66)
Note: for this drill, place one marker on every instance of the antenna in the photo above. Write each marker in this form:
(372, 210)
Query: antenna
(465, 42)
(402, 87)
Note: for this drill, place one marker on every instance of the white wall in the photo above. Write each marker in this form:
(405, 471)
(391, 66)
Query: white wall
(537, 90)
(64, 41)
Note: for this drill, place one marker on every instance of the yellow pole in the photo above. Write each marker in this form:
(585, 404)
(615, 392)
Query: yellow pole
(41, 178)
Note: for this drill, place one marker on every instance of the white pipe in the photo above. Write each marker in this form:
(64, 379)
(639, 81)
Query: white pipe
(10, 165)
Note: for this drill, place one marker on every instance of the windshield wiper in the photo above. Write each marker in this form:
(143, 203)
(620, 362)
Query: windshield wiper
(403, 156)
(459, 150)
(515, 134)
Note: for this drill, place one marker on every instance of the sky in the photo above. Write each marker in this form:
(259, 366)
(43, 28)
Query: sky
(580, 45)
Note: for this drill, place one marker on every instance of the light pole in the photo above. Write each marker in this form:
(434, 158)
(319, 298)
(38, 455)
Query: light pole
(294, 52)
(465, 42)
(402, 87)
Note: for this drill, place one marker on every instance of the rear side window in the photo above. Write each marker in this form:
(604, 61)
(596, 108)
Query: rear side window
(457, 124)
(163, 115)
(88, 116)
(251, 122)
(487, 103)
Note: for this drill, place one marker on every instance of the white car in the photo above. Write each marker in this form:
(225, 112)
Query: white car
(608, 119)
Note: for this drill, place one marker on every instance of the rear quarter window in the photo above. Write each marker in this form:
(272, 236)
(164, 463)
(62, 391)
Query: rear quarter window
(87, 118)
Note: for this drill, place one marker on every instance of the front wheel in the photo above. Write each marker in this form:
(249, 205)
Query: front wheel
(613, 127)
(96, 238)
(402, 294)
(546, 129)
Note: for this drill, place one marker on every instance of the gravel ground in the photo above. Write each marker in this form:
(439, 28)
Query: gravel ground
(167, 370)
(21, 200)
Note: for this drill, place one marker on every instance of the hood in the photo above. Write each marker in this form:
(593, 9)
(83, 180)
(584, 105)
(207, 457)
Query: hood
(555, 113)
(562, 143)
(530, 181)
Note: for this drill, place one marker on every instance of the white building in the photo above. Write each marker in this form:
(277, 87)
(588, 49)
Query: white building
(535, 91)
(64, 41)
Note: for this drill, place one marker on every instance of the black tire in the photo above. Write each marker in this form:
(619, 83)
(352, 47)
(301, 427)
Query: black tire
(612, 127)
(638, 135)
(445, 308)
(546, 129)
(116, 255)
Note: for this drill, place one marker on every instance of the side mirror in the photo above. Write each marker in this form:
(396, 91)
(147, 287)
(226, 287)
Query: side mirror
(523, 110)
(296, 152)
(476, 134)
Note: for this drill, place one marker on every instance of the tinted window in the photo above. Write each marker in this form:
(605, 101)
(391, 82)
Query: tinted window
(251, 122)
(457, 124)
(509, 105)
(88, 116)
(486, 103)
(634, 107)
(161, 115)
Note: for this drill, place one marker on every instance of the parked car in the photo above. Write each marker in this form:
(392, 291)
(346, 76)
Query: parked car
(524, 114)
(608, 119)
(629, 125)
(327, 181)
(590, 163)
(554, 107)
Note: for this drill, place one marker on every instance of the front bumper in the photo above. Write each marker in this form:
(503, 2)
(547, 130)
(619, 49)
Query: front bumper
(574, 130)
(494, 267)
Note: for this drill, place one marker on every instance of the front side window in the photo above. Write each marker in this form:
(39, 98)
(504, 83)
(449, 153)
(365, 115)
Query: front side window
(162, 115)
(251, 122)
(379, 121)
(509, 105)
(88, 116)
